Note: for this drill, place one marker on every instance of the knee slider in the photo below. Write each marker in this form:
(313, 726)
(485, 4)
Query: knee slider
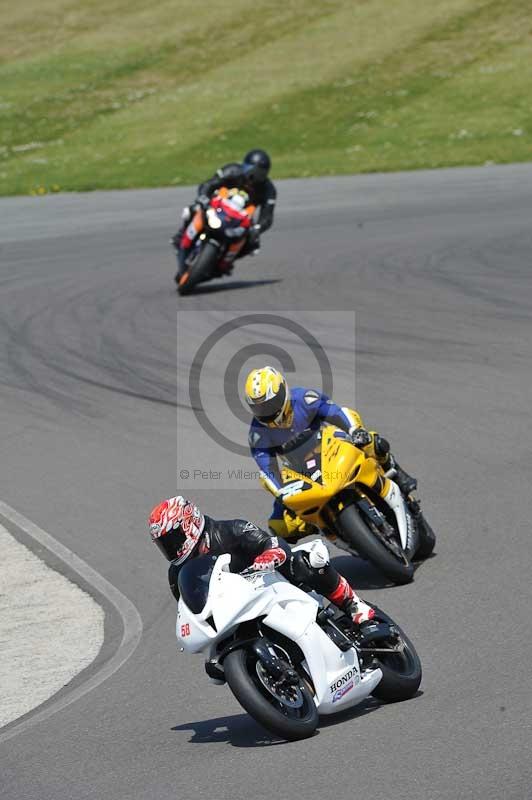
(306, 564)
(300, 568)
(318, 555)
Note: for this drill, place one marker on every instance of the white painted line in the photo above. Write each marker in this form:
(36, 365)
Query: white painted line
(131, 620)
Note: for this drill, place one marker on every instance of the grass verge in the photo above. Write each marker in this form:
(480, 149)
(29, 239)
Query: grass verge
(118, 95)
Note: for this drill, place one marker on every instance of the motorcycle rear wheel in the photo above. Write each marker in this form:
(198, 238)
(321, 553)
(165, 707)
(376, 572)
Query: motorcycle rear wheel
(240, 668)
(401, 672)
(356, 533)
(427, 539)
(201, 270)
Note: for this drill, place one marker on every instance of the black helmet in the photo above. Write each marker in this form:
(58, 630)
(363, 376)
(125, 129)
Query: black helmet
(257, 164)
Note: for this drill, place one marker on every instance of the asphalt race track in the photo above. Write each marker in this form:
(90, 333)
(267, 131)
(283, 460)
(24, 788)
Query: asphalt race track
(437, 267)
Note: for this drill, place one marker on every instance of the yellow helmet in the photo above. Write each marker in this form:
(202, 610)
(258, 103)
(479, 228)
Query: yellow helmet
(268, 397)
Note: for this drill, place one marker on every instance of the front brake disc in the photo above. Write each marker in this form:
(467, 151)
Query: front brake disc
(287, 694)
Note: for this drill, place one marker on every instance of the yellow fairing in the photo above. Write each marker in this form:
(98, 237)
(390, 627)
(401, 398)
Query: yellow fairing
(342, 465)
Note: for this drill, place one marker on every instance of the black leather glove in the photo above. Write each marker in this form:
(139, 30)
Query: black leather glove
(360, 437)
(382, 446)
(203, 200)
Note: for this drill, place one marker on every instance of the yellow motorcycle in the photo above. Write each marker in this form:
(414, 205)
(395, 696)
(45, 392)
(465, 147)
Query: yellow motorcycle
(329, 482)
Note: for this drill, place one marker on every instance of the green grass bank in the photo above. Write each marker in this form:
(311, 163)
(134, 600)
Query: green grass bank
(120, 94)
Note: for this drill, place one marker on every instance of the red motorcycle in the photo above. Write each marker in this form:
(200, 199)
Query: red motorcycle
(214, 237)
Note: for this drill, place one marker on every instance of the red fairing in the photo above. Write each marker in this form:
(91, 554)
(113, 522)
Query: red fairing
(342, 594)
(232, 212)
(270, 559)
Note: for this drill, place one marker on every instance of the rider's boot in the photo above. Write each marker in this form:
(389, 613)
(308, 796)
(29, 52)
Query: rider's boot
(185, 219)
(180, 252)
(346, 598)
(287, 524)
(405, 482)
(252, 244)
(181, 256)
(427, 538)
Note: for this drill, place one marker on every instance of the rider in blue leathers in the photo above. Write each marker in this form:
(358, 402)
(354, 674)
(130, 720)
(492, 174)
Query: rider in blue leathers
(280, 415)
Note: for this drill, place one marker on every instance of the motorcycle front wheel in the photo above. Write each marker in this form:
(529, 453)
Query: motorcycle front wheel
(354, 531)
(285, 710)
(200, 270)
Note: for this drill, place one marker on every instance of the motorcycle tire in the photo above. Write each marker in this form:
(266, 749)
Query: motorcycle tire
(401, 673)
(354, 531)
(201, 270)
(240, 674)
(427, 539)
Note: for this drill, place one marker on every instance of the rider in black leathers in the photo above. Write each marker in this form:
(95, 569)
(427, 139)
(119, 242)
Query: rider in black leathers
(181, 531)
(251, 176)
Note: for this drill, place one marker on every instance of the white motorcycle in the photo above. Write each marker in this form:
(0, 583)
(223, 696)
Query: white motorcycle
(286, 657)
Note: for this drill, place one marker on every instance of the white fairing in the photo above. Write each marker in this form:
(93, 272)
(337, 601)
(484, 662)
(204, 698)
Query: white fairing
(233, 599)
(394, 498)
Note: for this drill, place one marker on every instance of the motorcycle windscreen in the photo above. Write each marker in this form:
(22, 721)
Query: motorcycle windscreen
(193, 582)
(304, 455)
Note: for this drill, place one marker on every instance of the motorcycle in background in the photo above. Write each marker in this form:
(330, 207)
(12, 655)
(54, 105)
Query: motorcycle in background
(214, 237)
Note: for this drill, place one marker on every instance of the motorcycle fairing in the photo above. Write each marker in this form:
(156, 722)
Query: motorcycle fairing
(233, 599)
(221, 218)
(342, 465)
(394, 499)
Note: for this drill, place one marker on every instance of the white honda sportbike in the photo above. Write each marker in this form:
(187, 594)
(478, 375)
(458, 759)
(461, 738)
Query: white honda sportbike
(286, 657)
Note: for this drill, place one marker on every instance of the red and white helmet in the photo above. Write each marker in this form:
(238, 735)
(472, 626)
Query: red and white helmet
(176, 526)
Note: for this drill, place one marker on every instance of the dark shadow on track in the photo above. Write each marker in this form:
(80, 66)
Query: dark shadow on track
(227, 287)
(363, 575)
(240, 730)
(370, 705)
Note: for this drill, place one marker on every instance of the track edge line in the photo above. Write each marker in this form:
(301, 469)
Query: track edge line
(131, 621)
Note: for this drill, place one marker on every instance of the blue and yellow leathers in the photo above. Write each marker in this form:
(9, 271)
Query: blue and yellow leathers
(309, 410)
